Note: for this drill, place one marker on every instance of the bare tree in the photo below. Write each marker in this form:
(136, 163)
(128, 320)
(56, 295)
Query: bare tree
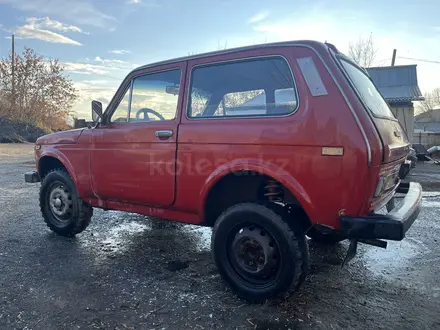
(431, 102)
(363, 51)
(42, 95)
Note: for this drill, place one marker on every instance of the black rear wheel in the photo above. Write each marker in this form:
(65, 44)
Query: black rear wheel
(256, 252)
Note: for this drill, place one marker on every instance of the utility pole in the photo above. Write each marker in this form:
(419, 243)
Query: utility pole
(393, 60)
(13, 71)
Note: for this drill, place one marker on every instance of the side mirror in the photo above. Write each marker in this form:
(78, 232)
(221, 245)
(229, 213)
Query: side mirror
(96, 111)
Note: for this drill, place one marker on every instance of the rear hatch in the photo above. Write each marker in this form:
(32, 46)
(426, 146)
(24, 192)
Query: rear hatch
(394, 139)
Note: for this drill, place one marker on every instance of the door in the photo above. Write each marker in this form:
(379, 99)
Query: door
(133, 155)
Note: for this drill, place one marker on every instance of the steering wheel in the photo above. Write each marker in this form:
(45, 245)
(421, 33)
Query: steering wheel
(146, 111)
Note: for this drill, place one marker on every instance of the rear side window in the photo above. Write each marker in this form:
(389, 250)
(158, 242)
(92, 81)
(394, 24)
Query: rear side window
(367, 91)
(254, 87)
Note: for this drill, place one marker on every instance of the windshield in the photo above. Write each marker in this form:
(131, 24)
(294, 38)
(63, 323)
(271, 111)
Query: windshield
(367, 91)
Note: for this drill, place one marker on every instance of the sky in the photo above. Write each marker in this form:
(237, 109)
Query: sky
(101, 41)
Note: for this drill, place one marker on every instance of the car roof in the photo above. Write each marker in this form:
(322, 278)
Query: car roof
(307, 43)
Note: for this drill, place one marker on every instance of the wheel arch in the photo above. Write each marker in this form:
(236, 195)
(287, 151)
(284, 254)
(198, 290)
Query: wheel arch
(49, 161)
(293, 190)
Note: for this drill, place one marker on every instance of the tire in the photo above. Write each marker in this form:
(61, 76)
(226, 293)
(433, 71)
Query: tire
(293, 216)
(256, 252)
(63, 211)
(324, 238)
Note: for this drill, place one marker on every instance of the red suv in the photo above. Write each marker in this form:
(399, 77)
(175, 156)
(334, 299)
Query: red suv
(267, 144)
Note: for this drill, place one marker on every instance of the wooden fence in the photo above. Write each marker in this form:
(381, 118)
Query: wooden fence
(428, 140)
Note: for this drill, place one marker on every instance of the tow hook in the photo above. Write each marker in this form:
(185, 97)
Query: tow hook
(352, 249)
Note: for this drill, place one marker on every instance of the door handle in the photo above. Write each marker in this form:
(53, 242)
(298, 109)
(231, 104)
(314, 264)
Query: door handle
(164, 134)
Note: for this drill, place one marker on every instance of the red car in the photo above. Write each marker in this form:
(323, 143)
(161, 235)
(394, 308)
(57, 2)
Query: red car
(266, 144)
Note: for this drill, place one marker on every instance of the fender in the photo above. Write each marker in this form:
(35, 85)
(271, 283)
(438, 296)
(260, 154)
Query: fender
(263, 167)
(55, 153)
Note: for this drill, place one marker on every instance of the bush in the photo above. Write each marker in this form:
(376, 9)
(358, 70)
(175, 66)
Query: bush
(16, 131)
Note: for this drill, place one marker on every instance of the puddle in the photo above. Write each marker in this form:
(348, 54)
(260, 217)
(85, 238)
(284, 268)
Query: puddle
(430, 194)
(202, 236)
(429, 203)
(398, 255)
(117, 236)
(115, 233)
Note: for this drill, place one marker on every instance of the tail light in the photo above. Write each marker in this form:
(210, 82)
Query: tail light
(387, 181)
(379, 187)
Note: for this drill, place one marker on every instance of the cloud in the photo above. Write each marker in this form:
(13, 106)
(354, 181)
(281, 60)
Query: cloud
(32, 31)
(85, 68)
(100, 66)
(109, 62)
(258, 17)
(79, 72)
(340, 27)
(89, 90)
(47, 23)
(145, 3)
(78, 11)
(119, 51)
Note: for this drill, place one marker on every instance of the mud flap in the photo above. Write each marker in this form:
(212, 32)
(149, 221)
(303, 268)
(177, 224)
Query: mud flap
(352, 249)
(351, 252)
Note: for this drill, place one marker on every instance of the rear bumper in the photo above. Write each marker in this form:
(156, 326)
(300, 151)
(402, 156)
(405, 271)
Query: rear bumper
(391, 226)
(31, 177)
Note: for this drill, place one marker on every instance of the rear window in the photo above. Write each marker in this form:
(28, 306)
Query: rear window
(367, 91)
(254, 87)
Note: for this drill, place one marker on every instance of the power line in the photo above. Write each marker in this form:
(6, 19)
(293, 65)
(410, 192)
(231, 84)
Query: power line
(419, 59)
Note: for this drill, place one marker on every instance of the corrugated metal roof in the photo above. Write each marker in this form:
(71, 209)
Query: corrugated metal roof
(397, 83)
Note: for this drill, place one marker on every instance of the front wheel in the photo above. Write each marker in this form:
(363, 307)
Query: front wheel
(257, 253)
(63, 211)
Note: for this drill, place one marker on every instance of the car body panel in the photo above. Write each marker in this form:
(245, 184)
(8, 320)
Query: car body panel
(65, 137)
(130, 163)
(126, 167)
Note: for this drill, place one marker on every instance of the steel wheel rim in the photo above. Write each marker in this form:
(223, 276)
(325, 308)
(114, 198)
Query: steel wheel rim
(254, 255)
(60, 203)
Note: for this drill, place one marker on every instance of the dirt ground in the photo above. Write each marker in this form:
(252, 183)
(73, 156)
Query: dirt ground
(130, 272)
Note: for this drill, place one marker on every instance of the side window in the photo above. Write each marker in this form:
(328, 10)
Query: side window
(254, 87)
(155, 96)
(121, 113)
